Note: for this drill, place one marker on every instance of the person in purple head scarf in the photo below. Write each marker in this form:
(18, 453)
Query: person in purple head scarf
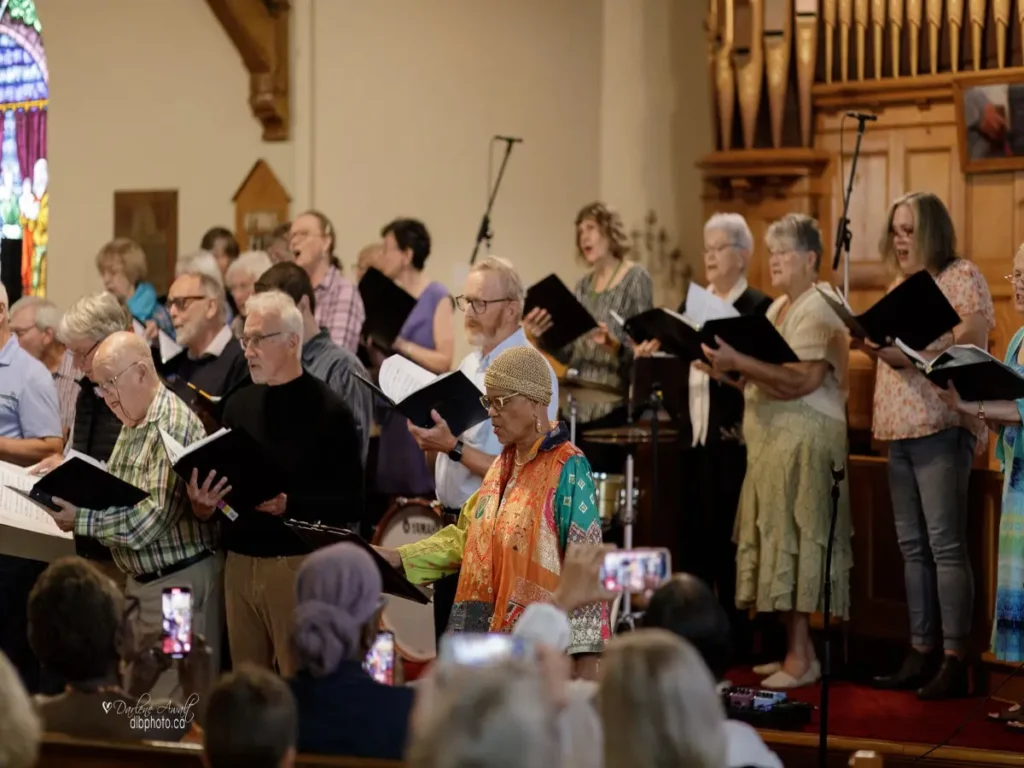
(342, 710)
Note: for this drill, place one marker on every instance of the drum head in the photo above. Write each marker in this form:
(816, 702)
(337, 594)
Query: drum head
(413, 624)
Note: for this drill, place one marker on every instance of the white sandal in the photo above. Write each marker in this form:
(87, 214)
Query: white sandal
(782, 680)
(768, 669)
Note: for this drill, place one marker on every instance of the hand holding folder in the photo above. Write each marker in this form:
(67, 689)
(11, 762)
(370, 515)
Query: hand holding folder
(415, 392)
(975, 373)
(82, 482)
(387, 305)
(569, 318)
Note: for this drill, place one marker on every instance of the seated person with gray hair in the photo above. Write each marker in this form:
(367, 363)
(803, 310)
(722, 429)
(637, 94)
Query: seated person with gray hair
(212, 363)
(250, 722)
(240, 281)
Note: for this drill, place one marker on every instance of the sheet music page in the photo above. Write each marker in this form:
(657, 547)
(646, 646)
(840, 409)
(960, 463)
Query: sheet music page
(617, 317)
(73, 454)
(917, 359)
(168, 347)
(138, 328)
(176, 450)
(702, 305)
(17, 511)
(683, 319)
(400, 377)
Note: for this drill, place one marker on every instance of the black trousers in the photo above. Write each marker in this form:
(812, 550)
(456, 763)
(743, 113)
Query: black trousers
(17, 577)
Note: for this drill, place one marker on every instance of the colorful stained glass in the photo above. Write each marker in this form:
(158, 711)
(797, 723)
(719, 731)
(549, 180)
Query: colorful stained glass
(20, 77)
(25, 12)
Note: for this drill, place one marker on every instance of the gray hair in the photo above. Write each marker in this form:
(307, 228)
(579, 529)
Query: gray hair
(212, 289)
(93, 318)
(797, 232)
(500, 717)
(20, 729)
(251, 263)
(735, 226)
(200, 262)
(46, 316)
(281, 305)
(511, 284)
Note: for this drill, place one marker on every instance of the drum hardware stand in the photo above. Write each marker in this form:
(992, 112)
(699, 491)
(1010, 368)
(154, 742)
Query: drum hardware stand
(574, 410)
(838, 473)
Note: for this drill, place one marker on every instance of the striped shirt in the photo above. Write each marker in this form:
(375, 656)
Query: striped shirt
(66, 377)
(339, 309)
(160, 530)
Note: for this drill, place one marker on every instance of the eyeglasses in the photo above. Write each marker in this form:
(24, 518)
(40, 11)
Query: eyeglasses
(499, 403)
(1016, 278)
(256, 341)
(181, 303)
(109, 387)
(479, 306)
(81, 356)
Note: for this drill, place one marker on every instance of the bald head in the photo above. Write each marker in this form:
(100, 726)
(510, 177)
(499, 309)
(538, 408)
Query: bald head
(125, 376)
(121, 349)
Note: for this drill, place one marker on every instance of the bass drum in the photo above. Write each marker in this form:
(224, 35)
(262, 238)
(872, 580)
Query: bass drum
(406, 522)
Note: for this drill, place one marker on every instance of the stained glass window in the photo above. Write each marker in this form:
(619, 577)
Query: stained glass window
(20, 77)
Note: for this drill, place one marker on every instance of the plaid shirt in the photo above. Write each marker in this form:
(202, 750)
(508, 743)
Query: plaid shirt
(66, 378)
(339, 309)
(160, 530)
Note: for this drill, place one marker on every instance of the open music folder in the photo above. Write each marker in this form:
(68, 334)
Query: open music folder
(387, 305)
(26, 529)
(414, 392)
(569, 318)
(84, 482)
(975, 373)
(915, 311)
(254, 478)
(317, 536)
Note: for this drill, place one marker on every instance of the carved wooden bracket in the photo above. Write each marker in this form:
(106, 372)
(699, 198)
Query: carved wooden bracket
(259, 30)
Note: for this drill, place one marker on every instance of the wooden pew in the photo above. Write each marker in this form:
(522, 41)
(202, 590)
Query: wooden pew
(63, 752)
(865, 758)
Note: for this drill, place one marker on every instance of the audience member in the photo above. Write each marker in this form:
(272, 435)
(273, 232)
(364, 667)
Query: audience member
(333, 365)
(156, 542)
(222, 244)
(312, 438)
(20, 729)
(658, 704)
(251, 722)
(342, 710)
(213, 362)
(501, 717)
(122, 267)
(278, 248)
(80, 630)
(368, 257)
(339, 307)
(240, 280)
(201, 262)
(35, 322)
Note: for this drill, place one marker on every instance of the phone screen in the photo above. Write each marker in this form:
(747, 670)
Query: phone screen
(177, 621)
(380, 659)
(480, 649)
(635, 570)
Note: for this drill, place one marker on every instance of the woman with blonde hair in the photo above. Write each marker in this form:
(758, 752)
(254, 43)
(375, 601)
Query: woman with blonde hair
(20, 729)
(658, 704)
(931, 450)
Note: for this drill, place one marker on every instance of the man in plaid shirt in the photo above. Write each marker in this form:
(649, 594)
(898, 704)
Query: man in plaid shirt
(158, 543)
(339, 307)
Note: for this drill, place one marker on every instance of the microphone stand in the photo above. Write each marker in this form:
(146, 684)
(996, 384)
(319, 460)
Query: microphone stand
(843, 234)
(826, 668)
(484, 233)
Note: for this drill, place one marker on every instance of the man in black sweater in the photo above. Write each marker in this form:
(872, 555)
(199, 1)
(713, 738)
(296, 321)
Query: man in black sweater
(311, 436)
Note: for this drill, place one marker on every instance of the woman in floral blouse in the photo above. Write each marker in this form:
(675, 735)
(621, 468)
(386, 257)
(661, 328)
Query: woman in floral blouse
(931, 450)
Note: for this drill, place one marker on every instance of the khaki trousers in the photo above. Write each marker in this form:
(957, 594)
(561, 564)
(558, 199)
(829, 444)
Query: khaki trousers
(259, 595)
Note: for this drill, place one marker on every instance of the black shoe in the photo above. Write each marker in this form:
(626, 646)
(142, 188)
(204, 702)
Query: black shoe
(950, 682)
(916, 670)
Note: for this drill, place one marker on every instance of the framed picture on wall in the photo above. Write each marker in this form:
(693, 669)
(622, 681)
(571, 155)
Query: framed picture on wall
(989, 109)
(150, 218)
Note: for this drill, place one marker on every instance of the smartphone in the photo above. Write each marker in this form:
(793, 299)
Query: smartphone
(478, 649)
(177, 621)
(380, 659)
(635, 570)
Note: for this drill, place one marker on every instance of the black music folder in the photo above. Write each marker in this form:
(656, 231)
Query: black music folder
(455, 398)
(569, 318)
(975, 373)
(393, 581)
(677, 334)
(387, 305)
(916, 312)
(83, 482)
(253, 476)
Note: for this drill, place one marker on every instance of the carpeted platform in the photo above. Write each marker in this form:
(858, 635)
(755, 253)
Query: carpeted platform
(858, 711)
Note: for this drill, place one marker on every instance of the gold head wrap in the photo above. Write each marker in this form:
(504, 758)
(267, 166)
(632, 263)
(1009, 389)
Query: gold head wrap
(523, 370)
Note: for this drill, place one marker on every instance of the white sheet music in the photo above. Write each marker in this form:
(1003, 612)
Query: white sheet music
(400, 377)
(17, 511)
(702, 305)
(176, 450)
(73, 454)
(168, 347)
(139, 328)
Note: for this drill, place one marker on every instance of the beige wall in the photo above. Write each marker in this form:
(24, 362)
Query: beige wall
(393, 102)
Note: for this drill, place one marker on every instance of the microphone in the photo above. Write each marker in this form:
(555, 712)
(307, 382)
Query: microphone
(509, 139)
(861, 116)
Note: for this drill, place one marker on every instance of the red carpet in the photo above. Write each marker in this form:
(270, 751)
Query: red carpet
(858, 711)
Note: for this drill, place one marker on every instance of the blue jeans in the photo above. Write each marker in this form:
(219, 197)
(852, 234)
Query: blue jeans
(928, 479)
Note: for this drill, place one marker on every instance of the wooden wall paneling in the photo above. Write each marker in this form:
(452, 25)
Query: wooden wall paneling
(931, 162)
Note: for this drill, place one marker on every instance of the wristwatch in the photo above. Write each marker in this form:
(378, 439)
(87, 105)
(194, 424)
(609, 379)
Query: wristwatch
(455, 454)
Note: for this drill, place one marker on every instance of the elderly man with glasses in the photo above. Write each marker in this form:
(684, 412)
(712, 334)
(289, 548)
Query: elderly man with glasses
(157, 543)
(492, 303)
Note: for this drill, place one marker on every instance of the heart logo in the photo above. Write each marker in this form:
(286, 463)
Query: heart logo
(107, 705)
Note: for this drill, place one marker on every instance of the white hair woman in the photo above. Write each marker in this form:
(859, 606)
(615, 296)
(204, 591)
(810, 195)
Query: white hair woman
(241, 277)
(20, 729)
(794, 424)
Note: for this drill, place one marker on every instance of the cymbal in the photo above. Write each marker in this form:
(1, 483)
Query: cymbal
(587, 392)
(629, 434)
